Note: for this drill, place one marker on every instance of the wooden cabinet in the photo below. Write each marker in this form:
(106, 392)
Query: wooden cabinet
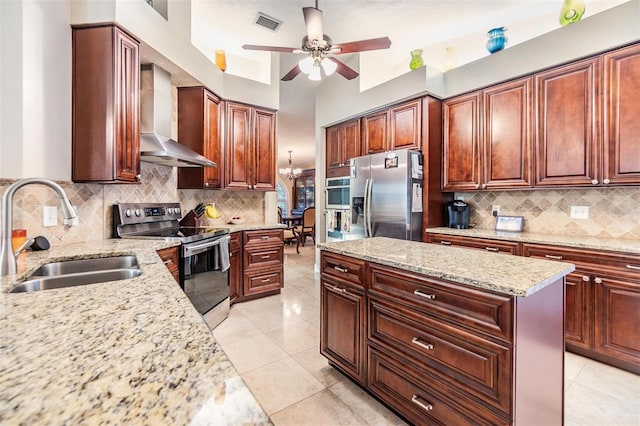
(235, 267)
(603, 302)
(342, 323)
(487, 139)
(398, 127)
(304, 190)
(250, 147)
(170, 258)
(343, 144)
(199, 119)
(621, 145)
(439, 352)
(105, 105)
(567, 139)
(494, 246)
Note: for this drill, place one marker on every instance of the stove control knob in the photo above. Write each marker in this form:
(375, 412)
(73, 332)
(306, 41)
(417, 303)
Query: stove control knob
(127, 212)
(169, 210)
(178, 211)
(138, 212)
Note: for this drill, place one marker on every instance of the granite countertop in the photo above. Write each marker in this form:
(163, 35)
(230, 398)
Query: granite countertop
(133, 351)
(511, 275)
(618, 245)
(254, 226)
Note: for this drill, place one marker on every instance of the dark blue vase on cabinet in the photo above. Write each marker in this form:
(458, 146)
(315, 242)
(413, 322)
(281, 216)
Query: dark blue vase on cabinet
(497, 40)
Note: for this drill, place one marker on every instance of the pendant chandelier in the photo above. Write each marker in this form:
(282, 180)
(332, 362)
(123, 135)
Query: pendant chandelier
(290, 172)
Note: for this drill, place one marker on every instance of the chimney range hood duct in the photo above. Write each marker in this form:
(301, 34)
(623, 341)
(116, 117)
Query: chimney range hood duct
(155, 123)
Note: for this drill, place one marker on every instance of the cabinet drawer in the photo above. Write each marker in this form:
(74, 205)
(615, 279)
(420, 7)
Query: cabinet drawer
(476, 310)
(486, 244)
(268, 236)
(262, 282)
(235, 243)
(343, 267)
(259, 257)
(420, 399)
(169, 257)
(627, 265)
(473, 365)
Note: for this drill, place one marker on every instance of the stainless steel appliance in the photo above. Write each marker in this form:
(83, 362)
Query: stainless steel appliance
(386, 195)
(204, 252)
(337, 191)
(458, 213)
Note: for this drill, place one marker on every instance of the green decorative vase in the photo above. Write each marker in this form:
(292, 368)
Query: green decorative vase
(416, 59)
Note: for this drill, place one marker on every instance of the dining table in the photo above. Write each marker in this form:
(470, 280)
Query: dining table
(292, 220)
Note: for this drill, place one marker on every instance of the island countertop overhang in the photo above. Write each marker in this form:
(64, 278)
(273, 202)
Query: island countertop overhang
(509, 275)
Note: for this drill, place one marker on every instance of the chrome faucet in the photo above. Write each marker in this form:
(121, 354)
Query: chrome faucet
(7, 256)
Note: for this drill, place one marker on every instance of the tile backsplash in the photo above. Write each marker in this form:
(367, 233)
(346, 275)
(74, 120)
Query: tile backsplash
(613, 212)
(93, 203)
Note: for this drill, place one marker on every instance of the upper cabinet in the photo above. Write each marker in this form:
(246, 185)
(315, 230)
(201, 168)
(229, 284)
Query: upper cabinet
(343, 144)
(621, 141)
(487, 138)
(105, 105)
(250, 147)
(199, 119)
(567, 138)
(394, 128)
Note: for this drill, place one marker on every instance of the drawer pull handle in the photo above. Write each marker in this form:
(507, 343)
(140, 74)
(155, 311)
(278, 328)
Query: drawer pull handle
(425, 295)
(446, 243)
(598, 280)
(265, 257)
(264, 237)
(492, 249)
(585, 278)
(168, 261)
(338, 289)
(265, 280)
(427, 346)
(548, 256)
(340, 269)
(425, 407)
(633, 267)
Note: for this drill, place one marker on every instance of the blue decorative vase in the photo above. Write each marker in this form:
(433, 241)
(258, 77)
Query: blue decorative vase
(497, 40)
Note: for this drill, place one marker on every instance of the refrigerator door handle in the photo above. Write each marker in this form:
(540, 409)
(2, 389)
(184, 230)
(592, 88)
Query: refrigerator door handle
(367, 208)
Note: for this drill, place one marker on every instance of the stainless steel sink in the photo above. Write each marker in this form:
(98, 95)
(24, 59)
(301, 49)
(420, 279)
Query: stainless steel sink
(86, 265)
(80, 272)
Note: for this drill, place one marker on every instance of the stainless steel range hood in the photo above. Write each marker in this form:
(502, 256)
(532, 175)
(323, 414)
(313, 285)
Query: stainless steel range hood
(155, 123)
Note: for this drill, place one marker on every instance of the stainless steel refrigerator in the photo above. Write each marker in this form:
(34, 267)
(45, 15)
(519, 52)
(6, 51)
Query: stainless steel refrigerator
(386, 195)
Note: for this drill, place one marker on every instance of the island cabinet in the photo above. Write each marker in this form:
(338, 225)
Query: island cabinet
(602, 303)
(486, 244)
(397, 127)
(442, 352)
(170, 258)
(488, 138)
(199, 124)
(343, 144)
(250, 147)
(105, 134)
(257, 267)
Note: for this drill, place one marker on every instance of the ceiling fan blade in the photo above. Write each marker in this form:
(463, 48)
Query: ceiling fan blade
(362, 45)
(292, 74)
(313, 22)
(271, 48)
(344, 70)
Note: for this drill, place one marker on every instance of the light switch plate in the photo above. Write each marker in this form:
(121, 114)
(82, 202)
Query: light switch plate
(49, 216)
(579, 212)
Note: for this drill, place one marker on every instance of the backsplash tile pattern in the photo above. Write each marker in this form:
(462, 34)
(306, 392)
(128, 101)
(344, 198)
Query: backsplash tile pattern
(613, 212)
(93, 202)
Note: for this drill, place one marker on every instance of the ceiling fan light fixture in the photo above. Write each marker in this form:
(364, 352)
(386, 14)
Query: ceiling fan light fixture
(306, 65)
(328, 66)
(314, 75)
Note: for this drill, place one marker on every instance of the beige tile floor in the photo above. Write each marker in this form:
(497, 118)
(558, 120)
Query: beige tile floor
(274, 344)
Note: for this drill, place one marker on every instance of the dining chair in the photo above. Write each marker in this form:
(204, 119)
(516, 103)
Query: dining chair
(308, 227)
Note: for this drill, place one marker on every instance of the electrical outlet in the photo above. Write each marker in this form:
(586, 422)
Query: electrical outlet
(495, 210)
(460, 197)
(579, 212)
(49, 216)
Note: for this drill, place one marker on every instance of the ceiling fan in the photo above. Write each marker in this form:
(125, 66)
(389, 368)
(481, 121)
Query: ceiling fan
(318, 46)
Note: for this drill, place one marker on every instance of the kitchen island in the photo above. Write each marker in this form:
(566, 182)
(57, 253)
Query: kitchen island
(133, 351)
(446, 334)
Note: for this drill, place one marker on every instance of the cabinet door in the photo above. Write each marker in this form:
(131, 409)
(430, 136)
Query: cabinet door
(351, 142)
(374, 132)
(621, 151)
(212, 148)
(405, 126)
(577, 330)
(567, 137)
(617, 320)
(238, 150)
(461, 156)
(334, 147)
(342, 327)
(508, 111)
(264, 145)
(235, 275)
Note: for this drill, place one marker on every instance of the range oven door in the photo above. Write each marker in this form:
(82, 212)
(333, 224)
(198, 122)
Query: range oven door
(205, 270)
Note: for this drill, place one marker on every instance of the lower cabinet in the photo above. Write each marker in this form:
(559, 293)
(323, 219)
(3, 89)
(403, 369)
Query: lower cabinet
(439, 352)
(169, 257)
(256, 259)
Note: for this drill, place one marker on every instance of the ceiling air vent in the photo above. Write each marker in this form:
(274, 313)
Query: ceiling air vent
(268, 22)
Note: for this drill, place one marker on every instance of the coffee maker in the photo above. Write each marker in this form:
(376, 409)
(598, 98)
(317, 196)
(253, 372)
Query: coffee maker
(458, 212)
